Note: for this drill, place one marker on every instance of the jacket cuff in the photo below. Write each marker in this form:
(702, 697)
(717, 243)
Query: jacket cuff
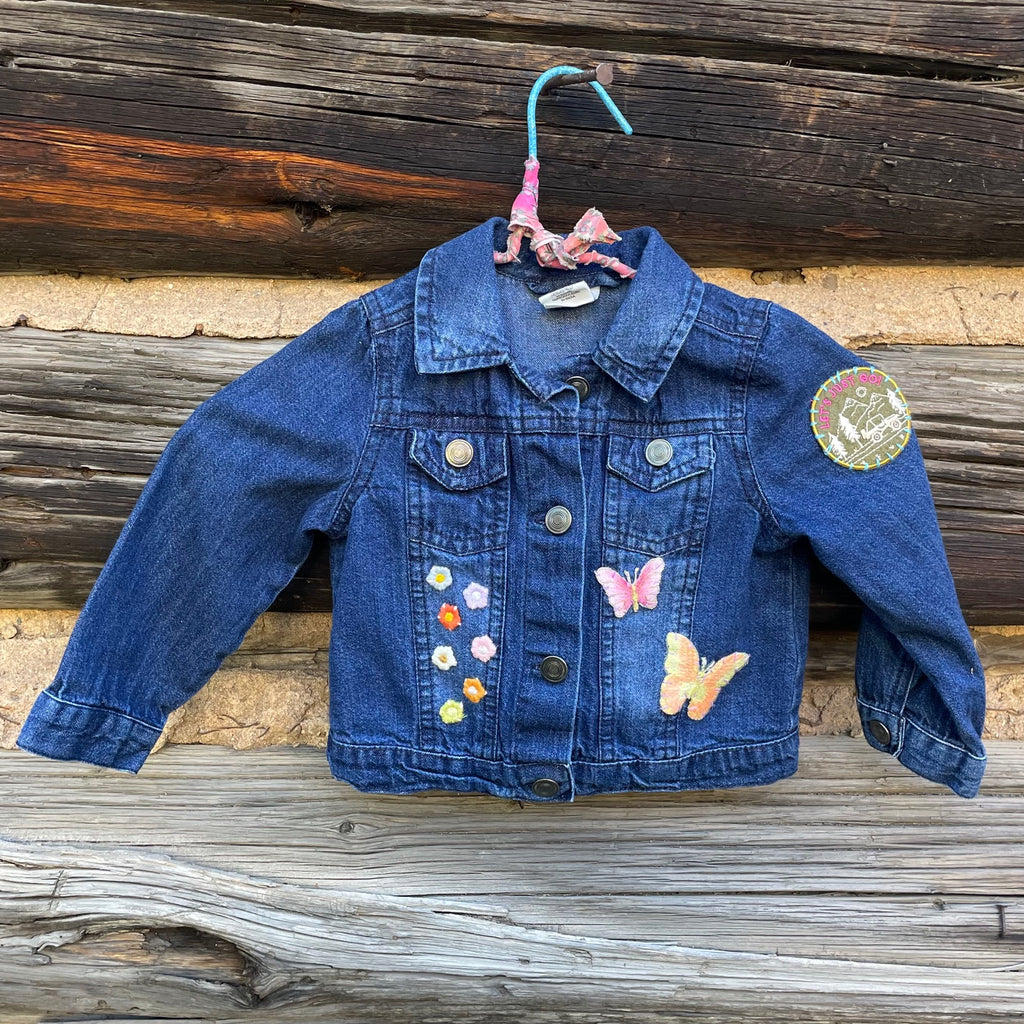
(926, 755)
(68, 731)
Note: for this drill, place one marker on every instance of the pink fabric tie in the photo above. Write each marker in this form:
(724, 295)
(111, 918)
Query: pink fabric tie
(555, 250)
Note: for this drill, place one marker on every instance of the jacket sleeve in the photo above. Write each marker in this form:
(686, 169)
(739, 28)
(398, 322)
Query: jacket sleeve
(920, 684)
(220, 528)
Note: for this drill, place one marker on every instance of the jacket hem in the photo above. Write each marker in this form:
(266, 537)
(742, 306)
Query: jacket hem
(67, 731)
(388, 768)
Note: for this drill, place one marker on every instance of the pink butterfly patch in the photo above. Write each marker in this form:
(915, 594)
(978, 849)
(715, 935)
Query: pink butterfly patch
(624, 592)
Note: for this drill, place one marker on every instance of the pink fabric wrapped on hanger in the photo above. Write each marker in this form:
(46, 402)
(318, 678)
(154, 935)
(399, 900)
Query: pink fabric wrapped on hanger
(557, 250)
(552, 250)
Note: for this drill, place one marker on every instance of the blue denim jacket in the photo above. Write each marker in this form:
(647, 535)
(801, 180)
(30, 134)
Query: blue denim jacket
(569, 546)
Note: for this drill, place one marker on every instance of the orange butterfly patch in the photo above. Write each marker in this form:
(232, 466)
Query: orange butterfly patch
(690, 677)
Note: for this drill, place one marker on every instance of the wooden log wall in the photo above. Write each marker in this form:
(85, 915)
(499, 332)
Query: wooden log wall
(338, 138)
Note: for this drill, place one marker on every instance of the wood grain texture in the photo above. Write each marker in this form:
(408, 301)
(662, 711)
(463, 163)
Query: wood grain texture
(151, 141)
(84, 418)
(905, 36)
(189, 891)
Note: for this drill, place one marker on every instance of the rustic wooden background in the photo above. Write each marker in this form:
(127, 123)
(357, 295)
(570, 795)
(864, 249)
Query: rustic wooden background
(333, 139)
(847, 893)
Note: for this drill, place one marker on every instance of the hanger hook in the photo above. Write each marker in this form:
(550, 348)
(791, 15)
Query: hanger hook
(563, 69)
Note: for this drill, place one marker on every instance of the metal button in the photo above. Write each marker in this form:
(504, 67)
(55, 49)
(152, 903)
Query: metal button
(553, 668)
(581, 384)
(558, 519)
(879, 730)
(459, 452)
(658, 452)
(545, 787)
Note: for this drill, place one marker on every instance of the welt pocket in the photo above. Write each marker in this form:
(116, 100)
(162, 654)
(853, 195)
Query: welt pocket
(455, 503)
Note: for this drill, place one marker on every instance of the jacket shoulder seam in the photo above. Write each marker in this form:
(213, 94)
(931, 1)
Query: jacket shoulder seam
(750, 325)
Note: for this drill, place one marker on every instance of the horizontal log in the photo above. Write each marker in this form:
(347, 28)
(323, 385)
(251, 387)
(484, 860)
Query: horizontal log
(85, 417)
(755, 903)
(163, 938)
(852, 820)
(230, 146)
(25, 583)
(903, 36)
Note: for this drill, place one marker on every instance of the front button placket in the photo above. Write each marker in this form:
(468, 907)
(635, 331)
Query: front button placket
(545, 711)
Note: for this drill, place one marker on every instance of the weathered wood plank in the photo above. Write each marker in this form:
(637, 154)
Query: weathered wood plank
(25, 583)
(84, 419)
(905, 36)
(313, 151)
(82, 918)
(852, 820)
(188, 891)
(951, 931)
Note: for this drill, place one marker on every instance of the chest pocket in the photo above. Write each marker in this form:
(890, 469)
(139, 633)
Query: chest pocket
(457, 492)
(658, 492)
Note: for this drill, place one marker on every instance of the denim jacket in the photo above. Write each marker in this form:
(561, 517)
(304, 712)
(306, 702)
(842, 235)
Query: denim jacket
(569, 546)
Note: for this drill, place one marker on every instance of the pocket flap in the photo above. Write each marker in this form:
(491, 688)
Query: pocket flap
(489, 461)
(691, 454)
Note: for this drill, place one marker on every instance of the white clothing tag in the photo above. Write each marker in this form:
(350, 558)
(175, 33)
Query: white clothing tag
(578, 294)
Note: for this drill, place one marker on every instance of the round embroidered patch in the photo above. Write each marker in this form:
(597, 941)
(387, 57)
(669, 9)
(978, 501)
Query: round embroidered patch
(860, 418)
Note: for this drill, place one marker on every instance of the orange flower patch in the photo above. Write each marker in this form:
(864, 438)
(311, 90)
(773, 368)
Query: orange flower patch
(473, 688)
(449, 616)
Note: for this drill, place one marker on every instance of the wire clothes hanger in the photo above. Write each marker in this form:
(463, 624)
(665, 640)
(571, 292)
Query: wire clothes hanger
(555, 250)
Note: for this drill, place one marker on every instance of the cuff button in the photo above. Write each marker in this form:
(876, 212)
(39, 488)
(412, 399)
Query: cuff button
(879, 730)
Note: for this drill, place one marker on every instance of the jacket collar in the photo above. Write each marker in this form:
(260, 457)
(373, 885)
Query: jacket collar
(460, 276)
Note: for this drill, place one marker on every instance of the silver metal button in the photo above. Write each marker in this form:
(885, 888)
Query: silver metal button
(558, 519)
(545, 787)
(553, 668)
(658, 452)
(879, 730)
(459, 452)
(581, 384)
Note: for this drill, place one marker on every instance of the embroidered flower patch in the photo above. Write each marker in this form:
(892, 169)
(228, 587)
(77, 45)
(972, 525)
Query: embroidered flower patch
(473, 688)
(451, 711)
(443, 657)
(483, 648)
(475, 595)
(690, 677)
(449, 616)
(860, 418)
(624, 593)
(439, 577)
